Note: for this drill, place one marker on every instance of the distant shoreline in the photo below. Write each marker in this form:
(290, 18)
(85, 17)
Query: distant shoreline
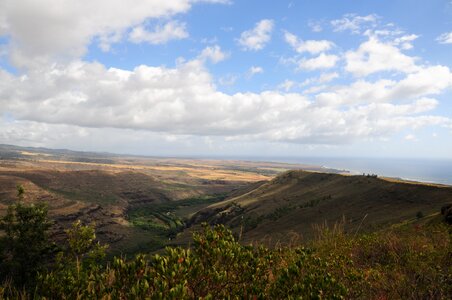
(429, 171)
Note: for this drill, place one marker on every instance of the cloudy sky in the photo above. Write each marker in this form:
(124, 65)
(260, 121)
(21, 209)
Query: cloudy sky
(228, 77)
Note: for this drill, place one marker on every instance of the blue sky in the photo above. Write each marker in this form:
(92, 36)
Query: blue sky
(228, 78)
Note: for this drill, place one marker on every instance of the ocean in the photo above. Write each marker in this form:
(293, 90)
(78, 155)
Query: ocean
(424, 170)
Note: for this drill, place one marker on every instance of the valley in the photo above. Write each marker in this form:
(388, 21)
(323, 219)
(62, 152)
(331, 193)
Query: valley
(142, 203)
(136, 203)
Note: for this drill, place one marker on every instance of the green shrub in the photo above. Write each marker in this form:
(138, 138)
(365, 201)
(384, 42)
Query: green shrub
(405, 263)
(24, 248)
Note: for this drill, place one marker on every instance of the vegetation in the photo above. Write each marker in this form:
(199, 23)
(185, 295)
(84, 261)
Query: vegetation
(407, 262)
(446, 211)
(165, 220)
(25, 243)
(419, 215)
(294, 200)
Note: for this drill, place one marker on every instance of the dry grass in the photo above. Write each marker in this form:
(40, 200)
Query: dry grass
(296, 200)
(198, 171)
(74, 188)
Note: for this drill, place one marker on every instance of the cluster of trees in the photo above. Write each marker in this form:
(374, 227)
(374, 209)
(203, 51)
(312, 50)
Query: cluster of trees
(370, 175)
(412, 263)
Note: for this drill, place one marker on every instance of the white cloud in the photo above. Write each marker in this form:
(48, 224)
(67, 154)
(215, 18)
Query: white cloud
(3, 24)
(287, 85)
(375, 56)
(354, 23)
(48, 30)
(311, 46)
(315, 89)
(445, 38)
(256, 70)
(323, 78)
(184, 101)
(213, 1)
(256, 38)
(212, 40)
(323, 61)
(315, 26)
(427, 81)
(173, 30)
(411, 137)
(68, 99)
(327, 77)
(228, 80)
(106, 40)
(28, 133)
(253, 70)
(214, 54)
(405, 41)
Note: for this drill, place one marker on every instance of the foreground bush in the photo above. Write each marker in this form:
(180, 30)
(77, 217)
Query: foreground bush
(407, 263)
(24, 243)
(216, 267)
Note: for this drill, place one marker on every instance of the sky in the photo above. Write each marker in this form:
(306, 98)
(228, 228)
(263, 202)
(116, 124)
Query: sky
(249, 78)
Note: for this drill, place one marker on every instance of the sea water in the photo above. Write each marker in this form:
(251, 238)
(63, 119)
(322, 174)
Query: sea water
(424, 170)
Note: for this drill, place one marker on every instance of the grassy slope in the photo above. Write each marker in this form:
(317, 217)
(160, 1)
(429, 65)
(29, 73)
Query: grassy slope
(100, 196)
(106, 192)
(290, 204)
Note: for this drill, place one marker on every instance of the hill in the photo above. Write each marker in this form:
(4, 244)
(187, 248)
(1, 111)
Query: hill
(292, 203)
(137, 203)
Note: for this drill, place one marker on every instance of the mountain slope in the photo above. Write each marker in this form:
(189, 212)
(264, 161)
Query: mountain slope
(296, 200)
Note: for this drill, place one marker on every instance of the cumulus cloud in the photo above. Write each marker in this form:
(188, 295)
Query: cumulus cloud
(311, 46)
(445, 38)
(181, 100)
(184, 101)
(37, 134)
(63, 29)
(427, 81)
(172, 30)
(323, 61)
(67, 98)
(376, 56)
(354, 23)
(256, 38)
(214, 54)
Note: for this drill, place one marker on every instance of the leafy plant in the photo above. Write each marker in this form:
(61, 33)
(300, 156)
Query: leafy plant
(25, 245)
(409, 262)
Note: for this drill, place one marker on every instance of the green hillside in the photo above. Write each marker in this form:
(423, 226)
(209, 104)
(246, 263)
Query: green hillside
(292, 203)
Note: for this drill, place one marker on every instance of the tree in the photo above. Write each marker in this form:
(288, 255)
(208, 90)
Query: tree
(24, 246)
(76, 267)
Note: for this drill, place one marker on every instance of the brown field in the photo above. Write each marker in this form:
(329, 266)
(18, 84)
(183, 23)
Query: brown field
(103, 189)
(140, 203)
